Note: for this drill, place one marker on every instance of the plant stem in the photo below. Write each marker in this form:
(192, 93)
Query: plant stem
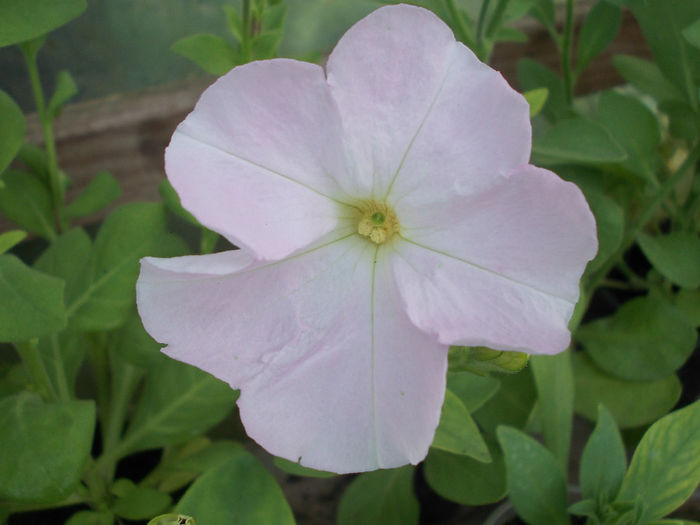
(29, 353)
(246, 51)
(481, 22)
(30, 53)
(496, 18)
(566, 53)
(460, 26)
(64, 391)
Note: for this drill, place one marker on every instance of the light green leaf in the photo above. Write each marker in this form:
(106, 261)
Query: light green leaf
(212, 53)
(27, 202)
(12, 127)
(32, 302)
(457, 433)
(178, 402)
(138, 502)
(234, 21)
(102, 190)
(382, 497)
(91, 517)
(511, 405)
(107, 290)
(45, 447)
(692, 33)
(646, 76)
(297, 470)
(675, 255)
(631, 403)
(533, 75)
(265, 44)
(599, 29)
(238, 491)
(481, 360)
(536, 484)
(645, 339)
(172, 519)
(10, 239)
(610, 224)
(536, 98)
(474, 390)
(665, 467)
(23, 20)
(65, 90)
(603, 462)
(555, 395)
(466, 480)
(577, 140)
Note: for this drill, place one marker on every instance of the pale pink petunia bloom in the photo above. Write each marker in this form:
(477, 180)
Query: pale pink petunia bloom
(384, 210)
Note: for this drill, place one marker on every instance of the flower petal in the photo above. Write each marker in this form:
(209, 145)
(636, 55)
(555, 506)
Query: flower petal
(259, 158)
(384, 74)
(330, 368)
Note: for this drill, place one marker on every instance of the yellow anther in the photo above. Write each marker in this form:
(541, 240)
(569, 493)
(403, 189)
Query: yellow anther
(377, 222)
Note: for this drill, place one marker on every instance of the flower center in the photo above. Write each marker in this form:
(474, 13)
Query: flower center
(377, 222)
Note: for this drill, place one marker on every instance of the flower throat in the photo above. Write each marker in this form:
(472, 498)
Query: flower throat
(377, 222)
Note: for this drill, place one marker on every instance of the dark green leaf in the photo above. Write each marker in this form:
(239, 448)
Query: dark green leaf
(684, 121)
(543, 10)
(533, 75)
(91, 517)
(45, 447)
(12, 127)
(599, 29)
(466, 480)
(665, 468)
(297, 470)
(172, 202)
(138, 502)
(178, 402)
(234, 22)
(212, 53)
(134, 345)
(10, 239)
(511, 405)
(645, 339)
(692, 33)
(675, 255)
(555, 395)
(632, 403)
(474, 390)
(275, 17)
(383, 497)
(577, 140)
(265, 44)
(27, 202)
(107, 291)
(102, 190)
(610, 223)
(32, 302)
(646, 76)
(457, 433)
(536, 484)
(65, 90)
(238, 491)
(603, 462)
(688, 303)
(24, 20)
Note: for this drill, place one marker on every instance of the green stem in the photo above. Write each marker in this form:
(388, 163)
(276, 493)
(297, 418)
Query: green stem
(481, 22)
(566, 53)
(246, 50)
(496, 18)
(64, 391)
(30, 53)
(461, 28)
(29, 353)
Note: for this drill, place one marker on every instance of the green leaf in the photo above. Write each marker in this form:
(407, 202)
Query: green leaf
(688, 303)
(480, 360)
(631, 403)
(91, 517)
(511, 405)
(692, 33)
(238, 491)
(543, 10)
(45, 447)
(610, 223)
(665, 467)
(212, 53)
(297, 470)
(532, 75)
(27, 202)
(10, 239)
(178, 402)
(138, 502)
(645, 339)
(102, 190)
(474, 390)
(599, 29)
(536, 98)
(25, 20)
(634, 128)
(662, 23)
(265, 44)
(65, 90)
(172, 202)
(275, 17)
(32, 302)
(555, 395)
(107, 290)
(12, 127)
(172, 519)
(646, 76)
(457, 433)
(466, 480)
(603, 462)
(577, 140)
(383, 497)
(675, 255)
(135, 346)
(684, 121)
(234, 22)
(536, 484)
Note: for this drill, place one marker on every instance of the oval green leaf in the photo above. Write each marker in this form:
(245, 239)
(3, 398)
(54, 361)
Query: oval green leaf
(675, 255)
(12, 128)
(23, 20)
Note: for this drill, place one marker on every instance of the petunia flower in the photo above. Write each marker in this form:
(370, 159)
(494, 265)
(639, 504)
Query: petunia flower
(384, 210)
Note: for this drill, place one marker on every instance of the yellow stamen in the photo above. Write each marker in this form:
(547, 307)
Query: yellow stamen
(377, 222)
